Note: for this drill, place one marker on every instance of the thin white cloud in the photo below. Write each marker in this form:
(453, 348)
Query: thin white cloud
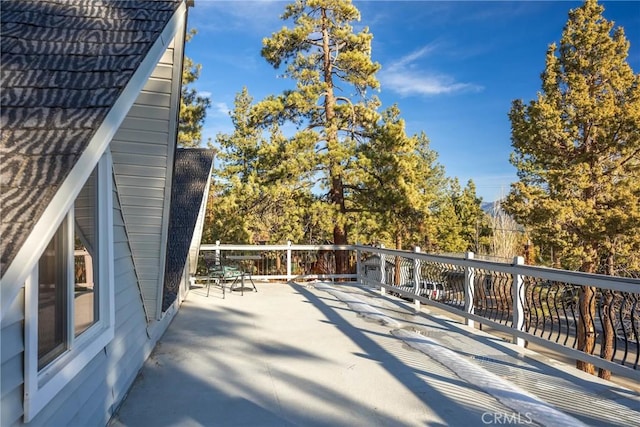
(404, 77)
(407, 60)
(205, 93)
(221, 108)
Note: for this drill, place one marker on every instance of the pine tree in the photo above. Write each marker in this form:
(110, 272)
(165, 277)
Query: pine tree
(399, 180)
(333, 70)
(474, 229)
(577, 150)
(258, 199)
(193, 106)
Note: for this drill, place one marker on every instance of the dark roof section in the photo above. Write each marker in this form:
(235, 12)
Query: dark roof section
(190, 175)
(64, 64)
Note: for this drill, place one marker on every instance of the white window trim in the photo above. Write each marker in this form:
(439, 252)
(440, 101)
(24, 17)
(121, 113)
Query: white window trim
(42, 386)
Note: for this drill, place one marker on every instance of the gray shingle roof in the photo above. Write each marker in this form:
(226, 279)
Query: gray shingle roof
(190, 175)
(64, 64)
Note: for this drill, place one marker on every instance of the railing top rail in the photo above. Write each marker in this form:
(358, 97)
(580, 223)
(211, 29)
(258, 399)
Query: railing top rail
(243, 247)
(623, 284)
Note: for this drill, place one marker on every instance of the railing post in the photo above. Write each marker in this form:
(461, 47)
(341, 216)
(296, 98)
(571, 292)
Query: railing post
(218, 259)
(469, 279)
(383, 271)
(289, 275)
(518, 294)
(416, 279)
(359, 275)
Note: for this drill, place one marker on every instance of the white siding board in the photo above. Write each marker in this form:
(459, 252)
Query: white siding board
(11, 408)
(148, 285)
(141, 223)
(144, 228)
(147, 254)
(132, 328)
(154, 99)
(146, 246)
(120, 275)
(96, 418)
(133, 332)
(119, 235)
(127, 292)
(147, 273)
(136, 192)
(149, 112)
(126, 351)
(15, 312)
(11, 363)
(145, 211)
(157, 85)
(72, 397)
(128, 375)
(148, 288)
(124, 137)
(137, 183)
(146, 124)
(118, 222)
(12, 342)
(143, 147)
(143, 150)
(151, 200)
(136, 159)
(133, 170)
(167, 56)
(118, 248)
(146, 242)
(163, 71)
(130, 297)
(11, 375)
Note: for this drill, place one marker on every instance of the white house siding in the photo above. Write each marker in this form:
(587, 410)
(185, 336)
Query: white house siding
(11, 376)
(143, 151)
(93, 395)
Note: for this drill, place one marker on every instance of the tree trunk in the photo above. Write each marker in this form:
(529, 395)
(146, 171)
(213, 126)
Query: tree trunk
(339, 231)
(398, 278)
(586, 320)
(586, 326)
(342, 257)
(337, 190)
(608, 334)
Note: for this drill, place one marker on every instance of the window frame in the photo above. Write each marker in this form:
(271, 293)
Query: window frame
(42, 385)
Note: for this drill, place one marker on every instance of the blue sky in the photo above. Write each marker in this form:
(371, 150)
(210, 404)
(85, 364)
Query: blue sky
(452, 67)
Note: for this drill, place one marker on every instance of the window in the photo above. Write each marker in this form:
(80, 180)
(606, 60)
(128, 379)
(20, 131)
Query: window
(69, 294)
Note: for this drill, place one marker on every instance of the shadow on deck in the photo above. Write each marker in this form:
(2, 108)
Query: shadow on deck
(315, 354)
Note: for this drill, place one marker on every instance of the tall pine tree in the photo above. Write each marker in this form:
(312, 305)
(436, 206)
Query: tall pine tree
(193, 106)
(333, 70)
(577, 150)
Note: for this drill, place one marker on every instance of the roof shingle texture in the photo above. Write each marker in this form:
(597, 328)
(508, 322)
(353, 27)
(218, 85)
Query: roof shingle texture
(190, 176)
(64, 65)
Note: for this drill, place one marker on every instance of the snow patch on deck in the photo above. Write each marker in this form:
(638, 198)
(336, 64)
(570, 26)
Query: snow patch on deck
(528, 406)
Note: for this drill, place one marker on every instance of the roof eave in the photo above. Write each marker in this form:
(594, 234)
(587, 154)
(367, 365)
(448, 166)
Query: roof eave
(27, 256)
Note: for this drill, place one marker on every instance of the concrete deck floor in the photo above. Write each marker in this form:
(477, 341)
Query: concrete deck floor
(304, 355)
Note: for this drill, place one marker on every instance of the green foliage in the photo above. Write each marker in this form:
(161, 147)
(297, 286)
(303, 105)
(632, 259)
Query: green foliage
(258, 199)
(398, 179)
(577, 147)
(321, 53)
(193, 107)
(347, 169)
(469, 228)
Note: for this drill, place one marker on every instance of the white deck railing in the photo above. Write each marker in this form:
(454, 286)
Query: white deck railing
(532, 304)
